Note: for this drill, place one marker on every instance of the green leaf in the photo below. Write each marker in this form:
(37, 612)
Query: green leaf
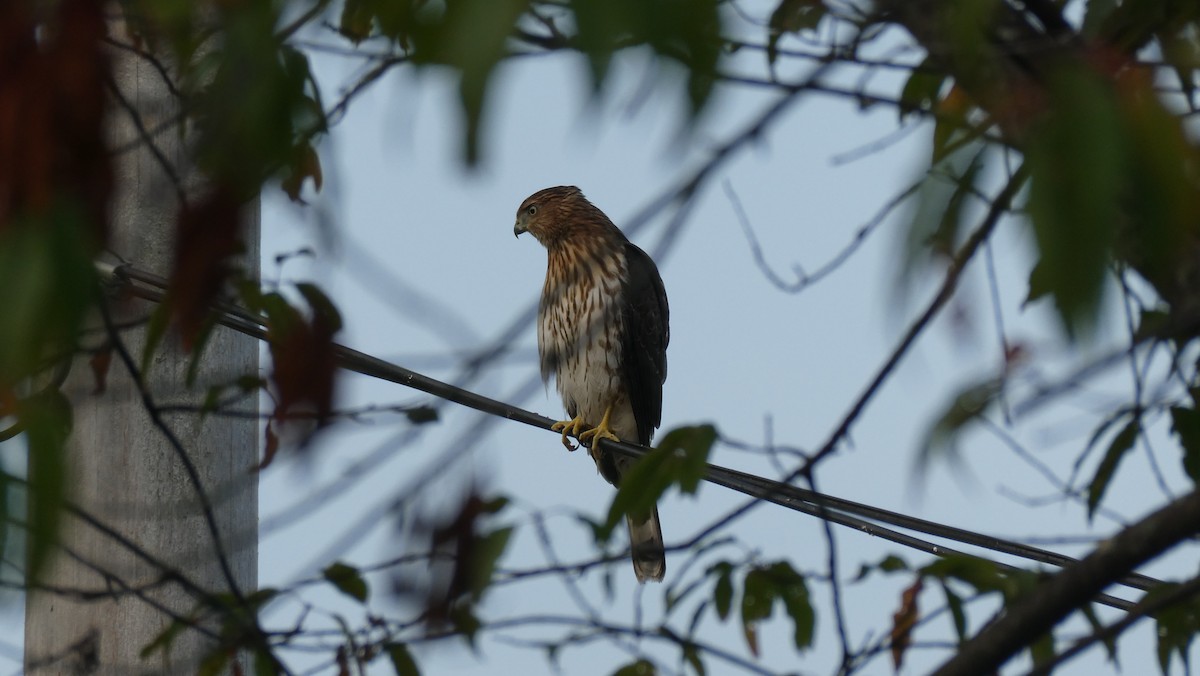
(421, 415)
(348, 580)
(971, 402)
(955, 604)
(792, 16)
(265, 663)
(793, 590)
(156, 328)
(1131, 25)
(494, 506)
(304, 165)
(1110, 642)
(673, 595)
(1177, 626)
(278, 109)
(162, 642)
(215, 662)
(47, 420)
(489, 550)
(1076, 162)
(758, 596)
(638, 668)
(323, 308)
(402, 660)
(282, 318)
(4, 511)
(1120, 444)
(1094, 16)
(470, 36)
(465, 623)
(692, 655)
(199, 342)
(951, 126)
(1040, 284)
(1041, 651)
(1152, 323)
(212, 397)
(933, 226)
(944, 240)
(356, 21)
(690, 446)
(688, 33)
(723, 590)
(921, 90)
(680, 458)
(47, 282)
(258, 598)
(1185, 422)
(1160, 199)
(982, 574)
(889, 564)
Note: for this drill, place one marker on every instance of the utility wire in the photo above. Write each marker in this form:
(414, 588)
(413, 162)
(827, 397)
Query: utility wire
(858, 516)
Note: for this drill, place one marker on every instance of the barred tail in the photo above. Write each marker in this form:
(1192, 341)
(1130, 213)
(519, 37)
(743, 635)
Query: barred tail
(646, 547)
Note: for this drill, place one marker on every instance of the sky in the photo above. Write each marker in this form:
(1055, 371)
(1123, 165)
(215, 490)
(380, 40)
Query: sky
(418, 253)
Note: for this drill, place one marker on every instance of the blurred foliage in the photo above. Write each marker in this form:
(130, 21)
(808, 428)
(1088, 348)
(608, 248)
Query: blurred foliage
(1178, 625)
(761, 588)
(472, 37)
(984, 577)
(1098, 112)
(1121, 443)
(680, 458)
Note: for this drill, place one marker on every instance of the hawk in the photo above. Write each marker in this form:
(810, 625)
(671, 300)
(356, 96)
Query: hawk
(602, 332)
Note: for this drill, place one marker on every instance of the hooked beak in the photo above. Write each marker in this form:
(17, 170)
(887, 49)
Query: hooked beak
(519, 228)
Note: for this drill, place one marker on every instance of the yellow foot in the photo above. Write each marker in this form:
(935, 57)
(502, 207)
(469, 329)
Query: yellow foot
(572, 426)
(601, 431)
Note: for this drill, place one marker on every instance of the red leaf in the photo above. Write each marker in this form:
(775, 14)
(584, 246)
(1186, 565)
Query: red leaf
(270, 447)
(53, 70)
(342, 661)
(206, 240)
(903, 622)
(100, 363)
(8, 402)
(306, 165)
(304, 364)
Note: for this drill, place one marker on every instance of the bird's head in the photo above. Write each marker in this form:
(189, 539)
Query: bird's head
(548, 214)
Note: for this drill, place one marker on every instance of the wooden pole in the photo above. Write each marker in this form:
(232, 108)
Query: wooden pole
(124, 471)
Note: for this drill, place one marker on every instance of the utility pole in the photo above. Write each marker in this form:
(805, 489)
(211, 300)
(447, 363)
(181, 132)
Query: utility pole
(122, 469)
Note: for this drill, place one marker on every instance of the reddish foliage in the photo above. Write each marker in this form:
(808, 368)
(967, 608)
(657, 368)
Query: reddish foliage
(52, 100)
(270, 446)
(460, 537)
(461, 556)
(460, 534)
(903, 622)
(8, 401)
(207, 238)
(304, 366)
(343, 662)
(100, 362)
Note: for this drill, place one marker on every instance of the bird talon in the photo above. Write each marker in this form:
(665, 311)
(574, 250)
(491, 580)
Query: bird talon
(572, 426)
(601, 431)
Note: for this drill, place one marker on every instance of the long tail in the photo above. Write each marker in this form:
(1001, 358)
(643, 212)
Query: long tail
(646, 547)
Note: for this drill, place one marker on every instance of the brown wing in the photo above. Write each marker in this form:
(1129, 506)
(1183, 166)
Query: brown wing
(644, 345)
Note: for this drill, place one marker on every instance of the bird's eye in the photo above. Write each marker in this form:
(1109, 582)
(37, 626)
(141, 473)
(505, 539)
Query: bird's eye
(532, 209)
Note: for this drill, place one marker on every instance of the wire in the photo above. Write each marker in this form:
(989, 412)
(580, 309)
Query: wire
(859, 516)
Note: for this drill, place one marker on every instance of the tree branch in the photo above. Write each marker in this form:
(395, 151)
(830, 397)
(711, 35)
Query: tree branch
(1048, 603)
